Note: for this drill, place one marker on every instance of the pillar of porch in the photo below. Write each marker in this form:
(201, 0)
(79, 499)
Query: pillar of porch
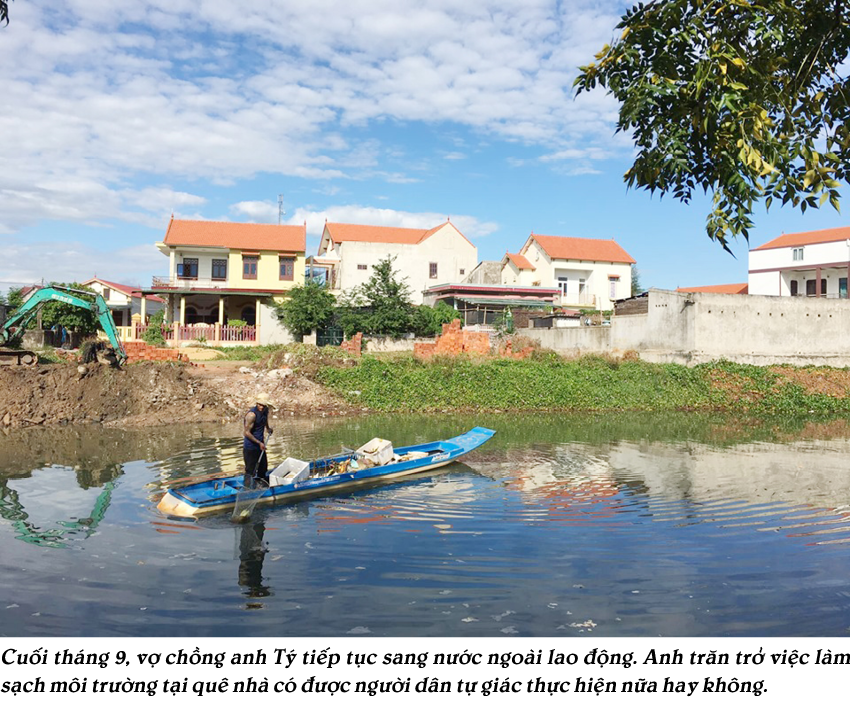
(221, 310)
(144, 309)
(819, 285)
(257, 321)
(182, 310)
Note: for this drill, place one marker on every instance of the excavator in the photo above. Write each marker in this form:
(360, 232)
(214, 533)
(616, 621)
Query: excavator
(12, 331)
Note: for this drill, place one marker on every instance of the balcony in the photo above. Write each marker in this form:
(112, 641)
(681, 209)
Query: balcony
(581, 299)
(183, 283)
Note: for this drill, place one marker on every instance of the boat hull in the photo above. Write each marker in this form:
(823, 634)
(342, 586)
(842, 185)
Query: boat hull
(215, 496)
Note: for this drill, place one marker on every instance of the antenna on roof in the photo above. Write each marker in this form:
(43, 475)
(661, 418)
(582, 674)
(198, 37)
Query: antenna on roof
(280, 211)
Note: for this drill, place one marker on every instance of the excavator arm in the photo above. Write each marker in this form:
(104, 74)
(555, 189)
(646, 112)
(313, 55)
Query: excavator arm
(14, 327)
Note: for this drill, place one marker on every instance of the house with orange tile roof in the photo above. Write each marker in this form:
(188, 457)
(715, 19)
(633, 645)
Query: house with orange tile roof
(589, 273)
(814, 264)
(425, 258)
(124, 301)
(517, 270)
(224, 279)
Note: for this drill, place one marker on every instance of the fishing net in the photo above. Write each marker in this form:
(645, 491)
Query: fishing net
(246, 500)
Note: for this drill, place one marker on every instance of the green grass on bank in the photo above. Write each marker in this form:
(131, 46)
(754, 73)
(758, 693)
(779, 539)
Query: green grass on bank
(590, 383)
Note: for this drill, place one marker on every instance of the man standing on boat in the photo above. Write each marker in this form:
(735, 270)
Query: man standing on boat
(254, 441)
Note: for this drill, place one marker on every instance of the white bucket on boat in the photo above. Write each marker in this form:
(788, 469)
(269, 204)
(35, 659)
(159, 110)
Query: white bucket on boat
(377, 452)
(289, 472)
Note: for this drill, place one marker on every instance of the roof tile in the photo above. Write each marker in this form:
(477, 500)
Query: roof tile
(582, 248)
(716, 289)
(812, 237)
(238, 236)
(520, 261)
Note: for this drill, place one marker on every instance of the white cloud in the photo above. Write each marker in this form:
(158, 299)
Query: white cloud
(26, 263)
(368, 215)
(101, 94)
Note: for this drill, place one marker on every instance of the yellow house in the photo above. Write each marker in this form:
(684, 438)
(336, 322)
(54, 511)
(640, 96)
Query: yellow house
(223, 279)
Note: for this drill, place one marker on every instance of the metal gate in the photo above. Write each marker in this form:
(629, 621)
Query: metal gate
(331, 335)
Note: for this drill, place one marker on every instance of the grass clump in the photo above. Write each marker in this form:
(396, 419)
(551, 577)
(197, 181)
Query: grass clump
(588, 383)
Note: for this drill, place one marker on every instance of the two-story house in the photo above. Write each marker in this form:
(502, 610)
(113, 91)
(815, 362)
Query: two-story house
(223, 279)
(423, 257)
(588, 272)
(815, 263)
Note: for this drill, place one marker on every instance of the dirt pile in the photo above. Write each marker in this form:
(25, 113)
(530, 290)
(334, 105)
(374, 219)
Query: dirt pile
(149, 394)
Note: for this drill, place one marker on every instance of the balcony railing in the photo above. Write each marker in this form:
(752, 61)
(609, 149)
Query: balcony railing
(581, 299)
(208, 333)
(187, 283)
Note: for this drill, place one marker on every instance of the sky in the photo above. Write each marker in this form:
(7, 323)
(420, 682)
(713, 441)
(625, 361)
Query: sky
(119, 114)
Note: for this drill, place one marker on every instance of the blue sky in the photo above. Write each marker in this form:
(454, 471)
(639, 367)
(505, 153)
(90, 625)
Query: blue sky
(391, 112)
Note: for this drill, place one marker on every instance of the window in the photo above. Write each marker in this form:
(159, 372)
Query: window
(188, 269)
(563, 285)
(219, 269)
(249, 266)
(794, 287)
(612, 287)
(106, 292)
(462, 272)
(842, 288)
(432, 270)
(582, 286)
(798, 254)
(361, 267)
(287, 269)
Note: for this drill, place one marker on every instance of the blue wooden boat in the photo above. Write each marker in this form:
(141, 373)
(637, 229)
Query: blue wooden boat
(219, 495)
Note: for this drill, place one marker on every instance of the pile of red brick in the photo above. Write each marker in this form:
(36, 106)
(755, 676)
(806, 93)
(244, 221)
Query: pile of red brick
(138, 351)
(454, 341)
(521, 354)
(354, 345)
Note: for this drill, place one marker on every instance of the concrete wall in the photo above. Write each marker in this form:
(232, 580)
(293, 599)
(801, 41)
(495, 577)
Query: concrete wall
(690, 328)
(383, 344)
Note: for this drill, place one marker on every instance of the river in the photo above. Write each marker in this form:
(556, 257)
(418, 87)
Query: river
(585, 525)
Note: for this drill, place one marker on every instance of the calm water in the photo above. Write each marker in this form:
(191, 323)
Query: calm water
(670, 525)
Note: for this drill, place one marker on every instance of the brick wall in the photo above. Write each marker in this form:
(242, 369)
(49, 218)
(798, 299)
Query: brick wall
(138, 351)
(454, 341)
(353, 345)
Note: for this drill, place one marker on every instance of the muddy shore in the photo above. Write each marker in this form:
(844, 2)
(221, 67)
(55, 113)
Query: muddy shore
(147, 394)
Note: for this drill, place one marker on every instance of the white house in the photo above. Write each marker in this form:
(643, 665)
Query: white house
(813, 263)
(124, 301)
(424, 258)
(588, 272)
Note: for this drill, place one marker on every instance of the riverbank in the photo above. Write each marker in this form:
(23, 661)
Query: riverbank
(306, 382)
(590, 383)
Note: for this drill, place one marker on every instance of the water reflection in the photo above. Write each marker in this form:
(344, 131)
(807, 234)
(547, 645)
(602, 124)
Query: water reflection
(252, 553)
(674, 526)
(13, 511)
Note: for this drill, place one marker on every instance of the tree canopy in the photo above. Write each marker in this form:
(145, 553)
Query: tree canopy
(308, 307)
(67, 315)
(380, 306)
(4, 11)
(746, 99)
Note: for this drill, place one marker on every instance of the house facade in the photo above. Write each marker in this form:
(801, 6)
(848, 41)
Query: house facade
(424, 258)
(125, 302)
(814, 264)
(588, 273)
(223, 279)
